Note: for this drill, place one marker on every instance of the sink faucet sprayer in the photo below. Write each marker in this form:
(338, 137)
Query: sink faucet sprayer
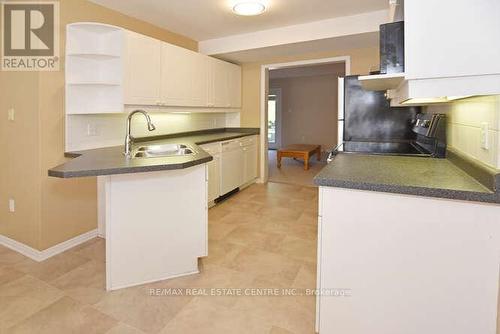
(128, 137)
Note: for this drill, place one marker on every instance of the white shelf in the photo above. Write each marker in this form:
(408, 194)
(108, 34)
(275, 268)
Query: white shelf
(93, 38)
(93, 83)
(94, 56)
(94, 69)
(381, 81)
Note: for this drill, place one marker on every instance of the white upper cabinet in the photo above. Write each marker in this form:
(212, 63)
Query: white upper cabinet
(165, 75)
(451, 50)
(225, 84)
(218, 93)
(234, 73)
(108, 68)
(142, 68)
(451, 38)
(184, 77)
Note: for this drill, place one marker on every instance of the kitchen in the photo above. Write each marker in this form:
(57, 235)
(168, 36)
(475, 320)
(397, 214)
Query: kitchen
(203, 116)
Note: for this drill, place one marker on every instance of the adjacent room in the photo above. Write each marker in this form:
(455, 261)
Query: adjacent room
(250, 167)
(303, 118)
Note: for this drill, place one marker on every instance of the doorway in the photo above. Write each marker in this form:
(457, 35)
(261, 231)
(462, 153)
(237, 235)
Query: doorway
(297, 122)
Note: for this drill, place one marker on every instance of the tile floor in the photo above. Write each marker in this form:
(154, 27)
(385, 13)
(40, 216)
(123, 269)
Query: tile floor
(263, 237)
(292, 171)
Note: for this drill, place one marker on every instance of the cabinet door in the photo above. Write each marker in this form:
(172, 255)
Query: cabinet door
(451, 38)
(219, 95)
(232, 166)
(142, 68)
(250, 158)
(225, 84)
(234, 85)
(214, 178)
(184, 77)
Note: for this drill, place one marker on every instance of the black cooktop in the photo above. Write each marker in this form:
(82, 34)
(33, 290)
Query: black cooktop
(387, 148)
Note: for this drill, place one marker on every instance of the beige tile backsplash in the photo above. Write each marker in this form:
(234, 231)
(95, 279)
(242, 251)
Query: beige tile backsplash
(465, 119)
(110, 128)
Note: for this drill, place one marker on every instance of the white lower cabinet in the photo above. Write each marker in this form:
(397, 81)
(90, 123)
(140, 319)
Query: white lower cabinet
(213, 170)
(234, 165)
(385, 267)
(214, 178)
(249, 159)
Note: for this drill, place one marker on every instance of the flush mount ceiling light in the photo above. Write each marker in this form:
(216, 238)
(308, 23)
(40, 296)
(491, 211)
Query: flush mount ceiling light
(249, 8)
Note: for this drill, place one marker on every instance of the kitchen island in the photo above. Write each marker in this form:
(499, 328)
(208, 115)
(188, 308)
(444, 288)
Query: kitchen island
(407, 245)
(154, 209)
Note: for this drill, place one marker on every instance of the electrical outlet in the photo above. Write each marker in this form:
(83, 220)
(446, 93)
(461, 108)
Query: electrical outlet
(92, 130)
(11, 114)
(12, 205)
(484, 135)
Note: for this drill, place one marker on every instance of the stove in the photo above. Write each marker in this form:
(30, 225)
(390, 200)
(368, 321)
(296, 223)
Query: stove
(387, 148)
(429, 132)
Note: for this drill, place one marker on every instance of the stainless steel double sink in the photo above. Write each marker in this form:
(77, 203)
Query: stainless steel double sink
(164, 150)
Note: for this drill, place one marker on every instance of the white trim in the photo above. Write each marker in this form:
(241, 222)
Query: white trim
(162, 278)
(317, 30)
(277, 92)
(263, 170)
(38, 255)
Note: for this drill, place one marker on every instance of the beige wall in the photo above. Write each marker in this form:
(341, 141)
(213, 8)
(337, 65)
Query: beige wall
(361, 62)
(49, 210)
(20, 157)
(309, 106)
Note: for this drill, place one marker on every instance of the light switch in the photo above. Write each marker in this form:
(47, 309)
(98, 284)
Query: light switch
(484, 136)
(11, 114)
(92, 130)
(12, 205)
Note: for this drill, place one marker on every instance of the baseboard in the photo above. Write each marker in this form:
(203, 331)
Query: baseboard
(38, 255)
(162, 278)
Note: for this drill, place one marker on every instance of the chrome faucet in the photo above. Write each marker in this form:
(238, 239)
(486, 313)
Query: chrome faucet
(128, 137)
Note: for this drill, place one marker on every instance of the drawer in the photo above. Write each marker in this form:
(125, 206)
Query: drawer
(212, 148)
(248, 141)
(231, 145)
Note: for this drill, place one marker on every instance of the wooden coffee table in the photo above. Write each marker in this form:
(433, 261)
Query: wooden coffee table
(299, 151)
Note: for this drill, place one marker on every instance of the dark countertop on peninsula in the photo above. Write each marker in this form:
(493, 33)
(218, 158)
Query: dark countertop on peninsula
(110, 160)
(405, 175)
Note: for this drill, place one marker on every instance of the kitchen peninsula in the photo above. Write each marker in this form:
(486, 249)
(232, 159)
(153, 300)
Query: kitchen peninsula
(155, 209)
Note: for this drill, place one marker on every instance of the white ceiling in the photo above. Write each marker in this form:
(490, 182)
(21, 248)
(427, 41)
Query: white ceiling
(208, 19)
(358, 41)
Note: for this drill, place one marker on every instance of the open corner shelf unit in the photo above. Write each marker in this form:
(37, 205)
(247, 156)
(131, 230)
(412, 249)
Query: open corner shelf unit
(94, 68)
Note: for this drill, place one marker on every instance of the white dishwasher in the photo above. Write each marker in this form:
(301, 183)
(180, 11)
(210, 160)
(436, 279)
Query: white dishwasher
(232, 165)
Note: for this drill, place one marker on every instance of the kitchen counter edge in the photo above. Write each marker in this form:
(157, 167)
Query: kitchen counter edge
(200, 158)
(491, 196)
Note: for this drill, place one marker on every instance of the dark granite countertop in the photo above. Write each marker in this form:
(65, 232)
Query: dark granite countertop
(404, 175)
(110, 160)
